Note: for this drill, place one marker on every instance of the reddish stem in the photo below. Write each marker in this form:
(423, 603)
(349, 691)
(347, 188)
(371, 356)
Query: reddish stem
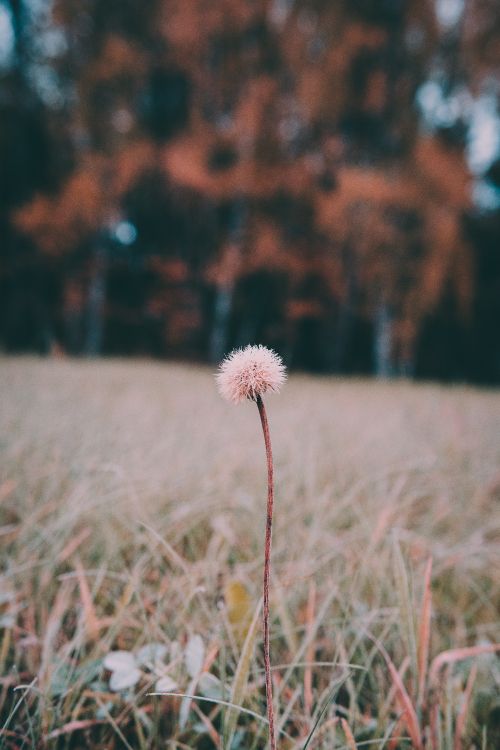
(267, 569)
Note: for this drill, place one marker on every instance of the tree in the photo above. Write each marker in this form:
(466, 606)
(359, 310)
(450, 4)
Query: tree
(282, 167)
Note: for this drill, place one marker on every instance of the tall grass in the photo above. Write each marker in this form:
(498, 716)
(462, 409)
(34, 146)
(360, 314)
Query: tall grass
(131, 516)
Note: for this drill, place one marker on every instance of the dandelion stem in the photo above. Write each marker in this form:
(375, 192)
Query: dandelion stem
(267, 569)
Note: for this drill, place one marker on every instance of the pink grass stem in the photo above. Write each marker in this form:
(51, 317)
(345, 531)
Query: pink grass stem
(267, 570)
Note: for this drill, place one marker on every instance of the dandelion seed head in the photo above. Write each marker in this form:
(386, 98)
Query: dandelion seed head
(250, 372)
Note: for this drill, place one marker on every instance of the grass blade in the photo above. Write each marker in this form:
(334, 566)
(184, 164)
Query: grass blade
(323, 711)
(409, 713)
(241, 677)
(459, 654)
(308, 694)
(348, 734)
(424, 633)
(464, 710)
(404, 587)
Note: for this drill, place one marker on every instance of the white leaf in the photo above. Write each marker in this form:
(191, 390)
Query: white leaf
(151, 653)
(119, 661)
(210, 686)
(186, 704)
(166, 685)
(175, 650)
(194, 655)
(122, 680)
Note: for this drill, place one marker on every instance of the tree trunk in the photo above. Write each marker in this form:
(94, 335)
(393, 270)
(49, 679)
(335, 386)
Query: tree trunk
(384, 367)
(345, 317)
(222, 314)
(224, 299)
(95, 304)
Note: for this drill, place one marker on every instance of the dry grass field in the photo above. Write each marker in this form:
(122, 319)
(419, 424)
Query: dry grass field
(132, 504)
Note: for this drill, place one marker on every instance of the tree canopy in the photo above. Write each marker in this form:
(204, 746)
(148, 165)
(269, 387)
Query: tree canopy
(315, 175)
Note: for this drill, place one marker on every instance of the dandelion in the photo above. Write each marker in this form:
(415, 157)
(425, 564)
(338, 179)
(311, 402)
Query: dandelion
(247, 374)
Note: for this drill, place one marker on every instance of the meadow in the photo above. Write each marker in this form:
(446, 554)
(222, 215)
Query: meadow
(132, 507)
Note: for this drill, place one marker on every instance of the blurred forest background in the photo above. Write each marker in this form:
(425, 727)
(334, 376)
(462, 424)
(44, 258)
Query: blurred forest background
(179, 177)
